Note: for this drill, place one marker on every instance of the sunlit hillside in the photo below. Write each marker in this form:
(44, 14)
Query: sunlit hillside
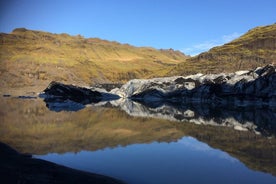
(30, 60)
(33, 58)
(255, 48)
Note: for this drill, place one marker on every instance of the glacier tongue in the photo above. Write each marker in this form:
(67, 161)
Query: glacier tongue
(241, 87)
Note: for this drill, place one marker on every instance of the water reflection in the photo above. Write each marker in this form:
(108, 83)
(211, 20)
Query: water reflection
(184, 161)
(30, 127)
(254, 118)
(259, 119)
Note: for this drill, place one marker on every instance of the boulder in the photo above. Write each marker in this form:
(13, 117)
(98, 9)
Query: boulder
(63, 97)
(62, 92)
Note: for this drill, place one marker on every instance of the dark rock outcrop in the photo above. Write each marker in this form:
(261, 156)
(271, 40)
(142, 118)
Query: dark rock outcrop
(62, 97)
(71, 92)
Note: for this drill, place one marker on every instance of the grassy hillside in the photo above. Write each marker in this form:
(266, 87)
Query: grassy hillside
(255, 48)
(33, 58)
(29, 60)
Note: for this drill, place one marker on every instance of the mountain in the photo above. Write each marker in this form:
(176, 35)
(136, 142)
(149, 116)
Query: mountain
(30, 60)
(34, 58)
(255, 48)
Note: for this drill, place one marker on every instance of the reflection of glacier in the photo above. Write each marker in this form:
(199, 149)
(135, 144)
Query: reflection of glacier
(252, 118)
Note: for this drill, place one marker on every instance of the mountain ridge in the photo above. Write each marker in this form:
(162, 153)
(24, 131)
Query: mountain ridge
(32, 58)
(253, 49)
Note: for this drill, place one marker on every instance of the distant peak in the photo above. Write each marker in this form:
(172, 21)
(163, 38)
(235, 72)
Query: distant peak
(19, 30)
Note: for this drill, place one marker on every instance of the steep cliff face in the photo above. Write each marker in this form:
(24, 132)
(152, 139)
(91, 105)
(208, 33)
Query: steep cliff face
(255, 48)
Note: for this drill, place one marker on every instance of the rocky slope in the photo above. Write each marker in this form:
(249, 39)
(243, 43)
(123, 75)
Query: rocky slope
(32, 59)
(255, 48)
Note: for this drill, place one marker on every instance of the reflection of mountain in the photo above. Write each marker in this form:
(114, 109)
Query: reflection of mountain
(28, 126)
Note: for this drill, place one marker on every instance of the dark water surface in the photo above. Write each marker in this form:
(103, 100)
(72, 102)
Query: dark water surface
(142, 144)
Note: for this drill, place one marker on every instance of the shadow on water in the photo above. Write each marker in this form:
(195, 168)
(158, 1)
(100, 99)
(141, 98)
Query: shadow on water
(23, 168)
(247, 133)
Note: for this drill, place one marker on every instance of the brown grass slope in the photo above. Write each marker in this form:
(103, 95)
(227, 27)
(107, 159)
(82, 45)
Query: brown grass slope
(255, 48)
(34, 58)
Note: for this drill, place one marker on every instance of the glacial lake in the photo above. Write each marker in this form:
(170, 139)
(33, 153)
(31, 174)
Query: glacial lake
(147, 144)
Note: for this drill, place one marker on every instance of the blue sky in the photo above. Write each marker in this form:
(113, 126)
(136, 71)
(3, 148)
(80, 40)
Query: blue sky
(191, 26)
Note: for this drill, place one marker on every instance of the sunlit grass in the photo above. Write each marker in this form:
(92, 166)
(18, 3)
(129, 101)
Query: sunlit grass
(89, 60)
(253, 49)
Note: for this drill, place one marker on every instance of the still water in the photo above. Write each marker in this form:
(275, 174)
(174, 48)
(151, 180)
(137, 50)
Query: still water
(146, 145)
(184, 161)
